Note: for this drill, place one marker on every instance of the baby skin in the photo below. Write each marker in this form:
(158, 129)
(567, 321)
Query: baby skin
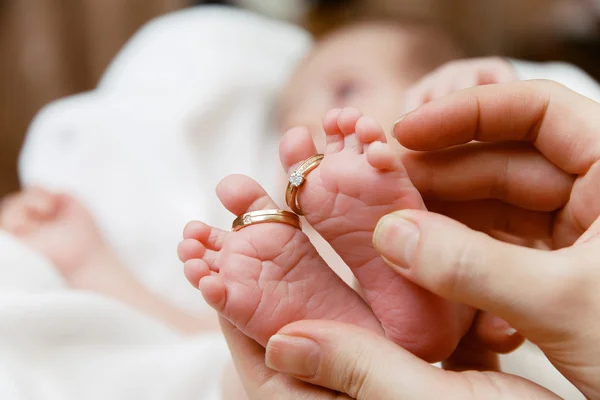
(266, 276)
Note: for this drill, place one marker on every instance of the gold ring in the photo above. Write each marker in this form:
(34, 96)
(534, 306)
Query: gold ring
(262, 216)
(297, 179)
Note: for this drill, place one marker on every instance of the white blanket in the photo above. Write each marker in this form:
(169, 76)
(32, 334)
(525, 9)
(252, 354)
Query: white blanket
(188, 101)
(57, 344)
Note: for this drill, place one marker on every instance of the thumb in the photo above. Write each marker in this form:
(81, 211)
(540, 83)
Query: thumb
(363, 365)
(469, 267)
(351, 360)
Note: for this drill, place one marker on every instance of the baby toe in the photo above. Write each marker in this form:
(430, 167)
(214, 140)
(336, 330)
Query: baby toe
(296, 146)
(382, 157)
(211, 237)
(369, 131)
(241, 194)
(347, 120)
(214, 291)
(189, 249)
(194, 270)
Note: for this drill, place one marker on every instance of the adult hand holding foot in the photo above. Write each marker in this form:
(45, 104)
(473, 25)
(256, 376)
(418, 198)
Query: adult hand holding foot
(551, 297)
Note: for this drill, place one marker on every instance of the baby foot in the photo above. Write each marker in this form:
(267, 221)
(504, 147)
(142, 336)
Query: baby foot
(265, 276)
(57, 226)
(360, 180)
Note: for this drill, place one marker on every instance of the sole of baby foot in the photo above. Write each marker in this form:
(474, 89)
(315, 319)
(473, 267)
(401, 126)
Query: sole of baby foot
(359, 180)
(267, 275)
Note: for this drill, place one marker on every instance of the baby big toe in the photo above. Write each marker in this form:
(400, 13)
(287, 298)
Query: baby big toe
(296, 146)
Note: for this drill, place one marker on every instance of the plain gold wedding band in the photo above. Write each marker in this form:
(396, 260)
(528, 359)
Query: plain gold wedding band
(263, 216)
(297, 179)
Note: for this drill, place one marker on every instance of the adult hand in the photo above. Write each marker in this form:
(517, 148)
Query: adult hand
(534, 172)
(330, 360)
(552, 298)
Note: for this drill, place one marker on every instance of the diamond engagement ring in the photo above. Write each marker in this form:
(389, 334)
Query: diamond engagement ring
(297, 179)
(263, 216)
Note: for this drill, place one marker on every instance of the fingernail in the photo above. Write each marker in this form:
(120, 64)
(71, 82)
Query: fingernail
(396, 238)
(501, 325)
(396, 123)
(293, 355)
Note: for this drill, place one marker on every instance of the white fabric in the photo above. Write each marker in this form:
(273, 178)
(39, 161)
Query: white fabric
(567, 74)
(57, 344)
(187, 101)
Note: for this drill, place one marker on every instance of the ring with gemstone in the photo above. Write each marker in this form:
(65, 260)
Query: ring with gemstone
(263, 216)
(297, 179)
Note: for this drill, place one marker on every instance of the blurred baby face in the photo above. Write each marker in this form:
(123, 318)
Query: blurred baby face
(367, 67)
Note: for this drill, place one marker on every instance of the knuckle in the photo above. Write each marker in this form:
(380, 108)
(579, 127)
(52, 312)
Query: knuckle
(354, 375)
(457, 272)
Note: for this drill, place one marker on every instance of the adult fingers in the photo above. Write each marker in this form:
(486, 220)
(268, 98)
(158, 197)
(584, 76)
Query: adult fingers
(247, 356)
(582, 209)
(471, 354)
(560, 123)
(515, 173)
(352, 360)
(261, 382)
(492, 215)
(469, 267)
(495, 334)
(591, 234)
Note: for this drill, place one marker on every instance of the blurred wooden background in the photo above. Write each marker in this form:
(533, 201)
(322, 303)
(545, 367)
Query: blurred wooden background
(53, 48)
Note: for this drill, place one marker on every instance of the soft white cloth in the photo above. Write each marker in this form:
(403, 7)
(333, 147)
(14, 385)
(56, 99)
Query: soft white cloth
(57, 344)
(187, 101)
(567, 74)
